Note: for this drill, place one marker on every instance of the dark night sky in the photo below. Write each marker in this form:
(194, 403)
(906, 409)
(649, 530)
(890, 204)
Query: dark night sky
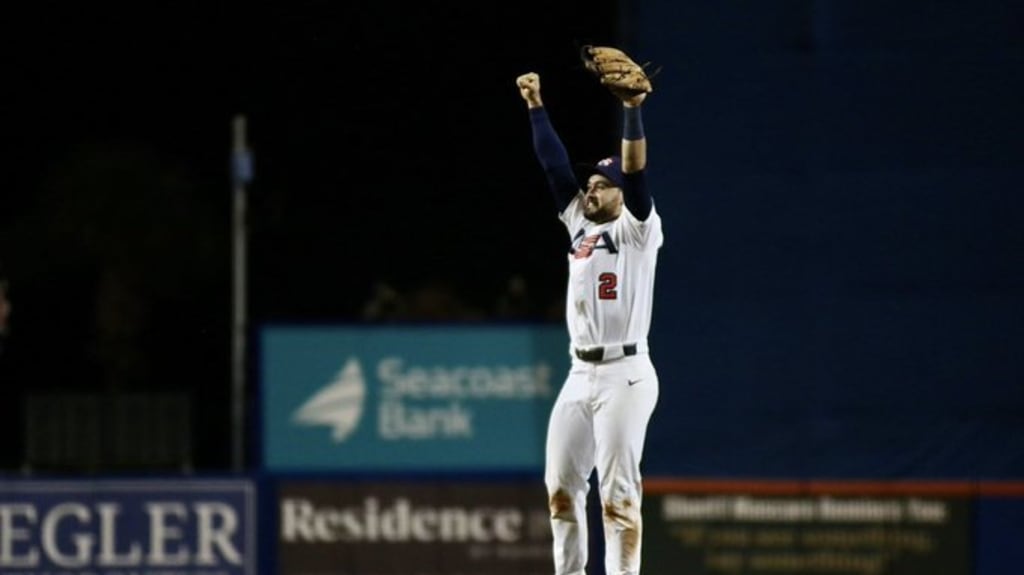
(389, 141)
(391, 144)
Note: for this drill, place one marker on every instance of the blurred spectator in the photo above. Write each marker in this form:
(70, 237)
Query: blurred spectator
(10, 407)
(5, 312)
(514, 303)
(385, 304)
(437, 301)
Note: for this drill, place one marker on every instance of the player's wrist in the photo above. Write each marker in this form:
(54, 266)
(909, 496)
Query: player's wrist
(633, 101)
(632, 123)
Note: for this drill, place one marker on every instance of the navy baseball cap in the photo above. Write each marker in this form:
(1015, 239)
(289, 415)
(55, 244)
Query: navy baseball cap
(610, 167)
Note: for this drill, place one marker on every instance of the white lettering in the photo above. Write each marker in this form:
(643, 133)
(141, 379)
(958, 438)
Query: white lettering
(217, 524)
(394, 523)
(507, 527)
(927, 511)
(397, 421)
(400, 521)
(866, 510)
(73, 535)
(828, 509)
(675, 507)
(297, 516)
(161, 532)
(82, 541)
(11, 533)
(108, 539)
(462, 382)
(756, 509)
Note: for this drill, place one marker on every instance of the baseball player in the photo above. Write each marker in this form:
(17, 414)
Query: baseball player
(600, 417)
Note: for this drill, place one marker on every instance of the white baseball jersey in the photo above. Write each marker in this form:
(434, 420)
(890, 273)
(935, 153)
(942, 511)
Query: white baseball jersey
(611, 277)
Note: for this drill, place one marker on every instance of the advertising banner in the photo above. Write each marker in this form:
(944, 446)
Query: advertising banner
(152, 527)
(412, 528)
(806, 533)
(410, 398)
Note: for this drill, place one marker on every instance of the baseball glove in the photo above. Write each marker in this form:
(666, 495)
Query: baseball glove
(617, 71)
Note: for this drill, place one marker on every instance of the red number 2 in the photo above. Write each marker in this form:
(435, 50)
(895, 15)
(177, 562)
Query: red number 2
(609, 281)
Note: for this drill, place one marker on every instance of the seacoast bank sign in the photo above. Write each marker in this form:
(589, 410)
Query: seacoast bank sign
(409, 398)
(178, 527)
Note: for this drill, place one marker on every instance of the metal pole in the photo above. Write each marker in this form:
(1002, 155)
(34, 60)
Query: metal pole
(241, 165)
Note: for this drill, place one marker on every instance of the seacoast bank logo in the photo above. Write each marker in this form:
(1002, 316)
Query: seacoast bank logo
(339, 404)
(419, 402)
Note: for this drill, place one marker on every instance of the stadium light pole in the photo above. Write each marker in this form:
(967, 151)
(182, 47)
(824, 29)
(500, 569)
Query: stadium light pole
(241, 175)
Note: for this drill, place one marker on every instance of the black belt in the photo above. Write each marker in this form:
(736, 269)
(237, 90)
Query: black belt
(596, 354)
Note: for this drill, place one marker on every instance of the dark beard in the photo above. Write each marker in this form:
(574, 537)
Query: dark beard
(600, 216)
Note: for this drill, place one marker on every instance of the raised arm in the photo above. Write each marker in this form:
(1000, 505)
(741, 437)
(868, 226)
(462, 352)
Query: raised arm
(634, 158)
(548, 147)
(634, 141)
(629, 82)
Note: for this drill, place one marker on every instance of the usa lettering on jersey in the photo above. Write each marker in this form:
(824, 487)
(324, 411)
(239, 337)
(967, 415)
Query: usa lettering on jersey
(583, 246)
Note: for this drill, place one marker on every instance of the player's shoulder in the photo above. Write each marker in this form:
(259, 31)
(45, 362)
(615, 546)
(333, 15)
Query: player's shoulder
(642, 233)
(653, 218)
(572, 213)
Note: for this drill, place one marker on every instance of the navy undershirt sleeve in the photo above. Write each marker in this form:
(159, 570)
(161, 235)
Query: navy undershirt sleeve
(636, 195)
(554, 159)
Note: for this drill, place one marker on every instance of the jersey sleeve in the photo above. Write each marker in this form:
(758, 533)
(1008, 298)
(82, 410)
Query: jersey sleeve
(554, 159)
(635, 194)
(572, 215)
(645, 233)
(641, 223)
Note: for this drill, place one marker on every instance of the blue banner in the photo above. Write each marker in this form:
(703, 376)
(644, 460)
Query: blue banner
(409, 398)
(157, 527)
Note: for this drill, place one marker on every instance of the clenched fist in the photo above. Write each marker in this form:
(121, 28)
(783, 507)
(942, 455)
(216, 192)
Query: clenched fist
(529, 89)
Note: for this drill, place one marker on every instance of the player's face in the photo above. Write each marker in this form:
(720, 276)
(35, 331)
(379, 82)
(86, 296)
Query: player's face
(603, 200)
